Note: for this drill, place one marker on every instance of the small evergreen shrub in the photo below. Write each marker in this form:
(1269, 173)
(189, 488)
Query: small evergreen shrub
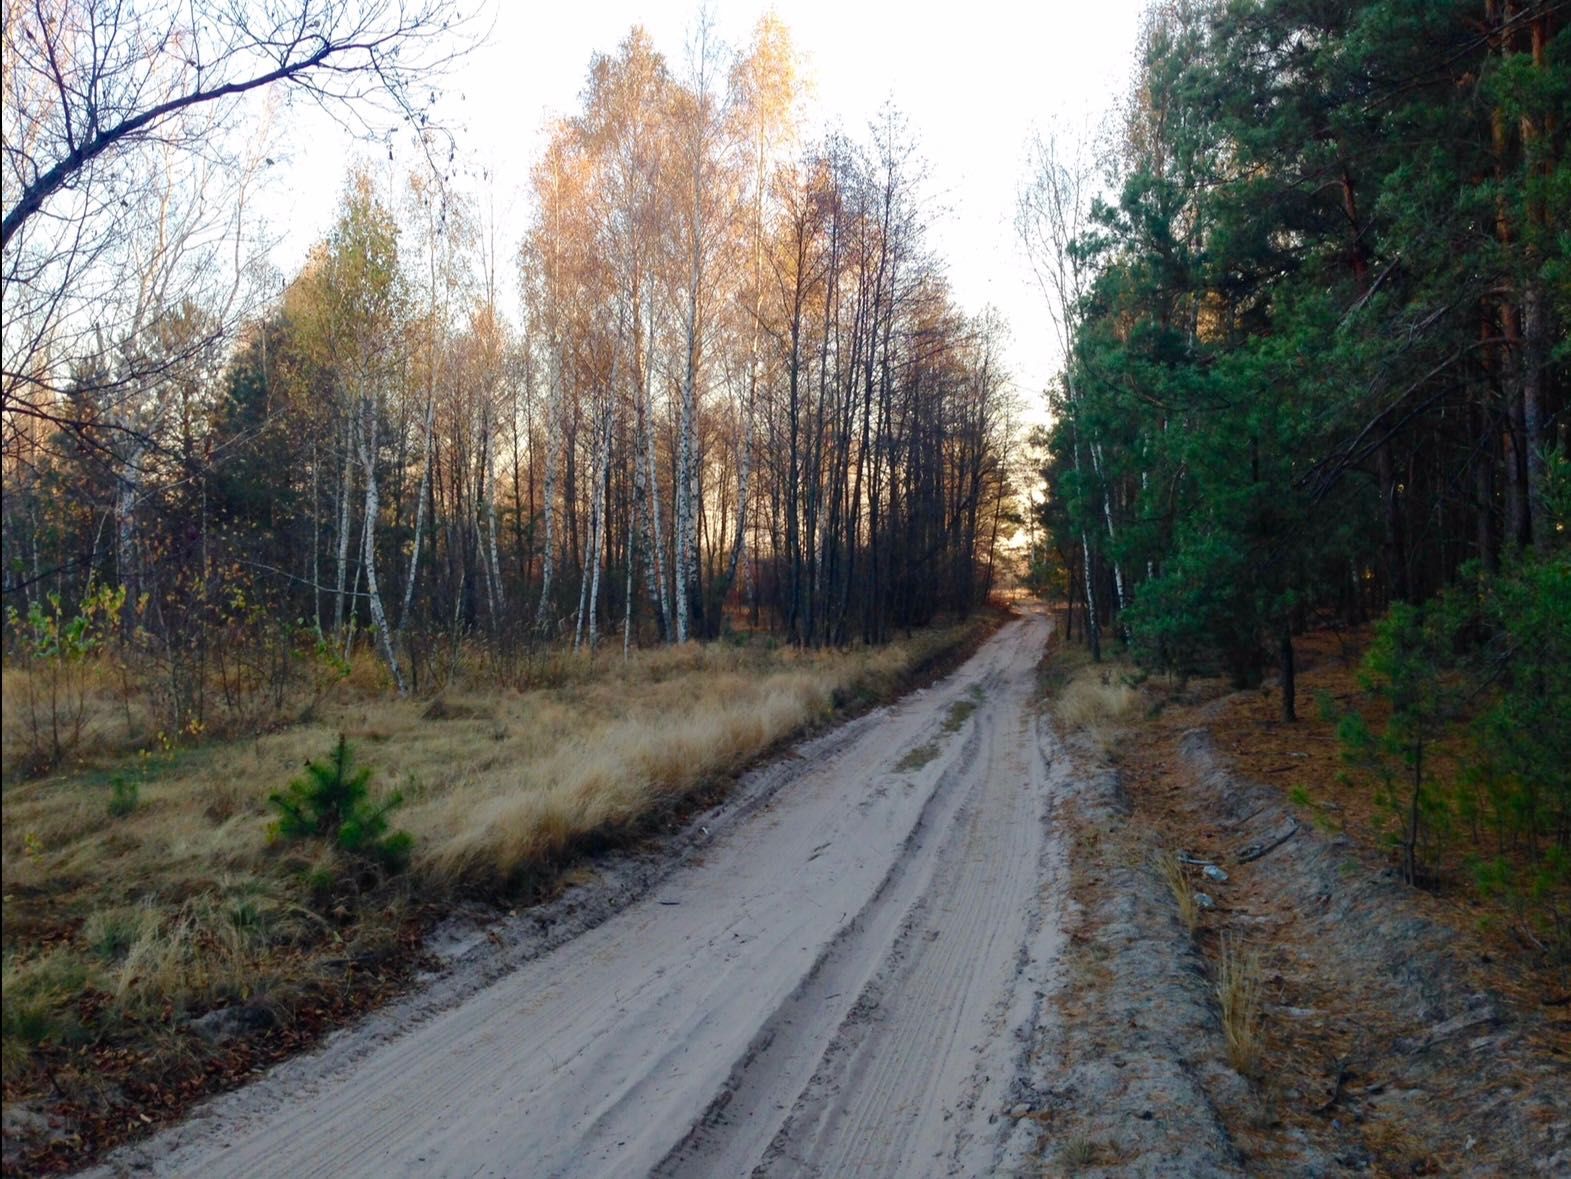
(332, 801)
(1486, 667)
(1410, 666)
(125, 795)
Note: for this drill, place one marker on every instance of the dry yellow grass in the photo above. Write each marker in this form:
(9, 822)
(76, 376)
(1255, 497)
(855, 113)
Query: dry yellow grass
(602, 761)
(1095, 699)
(1171, 869)
(61, 714)
(187, 901)
(1238, 993)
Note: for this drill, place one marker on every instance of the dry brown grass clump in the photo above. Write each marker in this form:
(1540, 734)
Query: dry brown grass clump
(1171, 869)
(1238, 993)
(1095, 700)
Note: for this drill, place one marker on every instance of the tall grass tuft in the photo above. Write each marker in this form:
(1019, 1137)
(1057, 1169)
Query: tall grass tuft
(1095, 702)
(1171, 869)
(1238, 992)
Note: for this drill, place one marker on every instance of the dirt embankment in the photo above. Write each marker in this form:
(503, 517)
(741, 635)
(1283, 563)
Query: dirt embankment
(1380, 1036)
(1128, 1077)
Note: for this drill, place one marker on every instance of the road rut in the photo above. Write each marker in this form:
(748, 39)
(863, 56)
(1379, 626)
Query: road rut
(842, 981)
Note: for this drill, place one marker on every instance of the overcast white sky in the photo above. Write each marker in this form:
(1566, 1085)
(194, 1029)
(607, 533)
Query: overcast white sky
(974, 79)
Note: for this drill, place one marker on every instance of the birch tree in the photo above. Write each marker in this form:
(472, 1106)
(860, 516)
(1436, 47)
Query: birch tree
(368, 311)
(764, 83)
(546, 264)
(702, 178)
(628, 97)
(1052, 214)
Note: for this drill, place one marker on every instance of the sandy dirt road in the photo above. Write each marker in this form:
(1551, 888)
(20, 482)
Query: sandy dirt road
(839, 977)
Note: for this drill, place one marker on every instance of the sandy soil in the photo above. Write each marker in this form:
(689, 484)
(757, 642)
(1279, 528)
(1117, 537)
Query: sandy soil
(1388, 1042)
(1129, 1080)
(838, 972)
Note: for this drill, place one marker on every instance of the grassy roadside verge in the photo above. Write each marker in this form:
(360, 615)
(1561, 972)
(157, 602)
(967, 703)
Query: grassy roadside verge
(158, 951)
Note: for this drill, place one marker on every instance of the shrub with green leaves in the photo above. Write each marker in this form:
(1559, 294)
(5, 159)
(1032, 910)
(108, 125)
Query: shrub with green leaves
(124, 797)
(55, 643)
(332, 801)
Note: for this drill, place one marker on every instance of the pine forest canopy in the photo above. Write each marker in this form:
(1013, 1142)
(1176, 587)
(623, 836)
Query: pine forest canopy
(739, 386)
(1316, 323)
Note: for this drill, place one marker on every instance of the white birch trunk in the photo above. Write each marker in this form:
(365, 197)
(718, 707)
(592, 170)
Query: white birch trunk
(128, 485)
(496, 557)
(590, 570)
(488, 466)
(601, 474)
(548, 553)
(420, 502)
(667, 613)
(641, 498)
(686, 508)
(1107, 516)
(354, 598)
(316, 541)
(627, 603)
(1093, 625)
(683, 509)
(485, 497)
(482, 549)
(651, 472)
(343, 522)
(583, 588)
(384, 635)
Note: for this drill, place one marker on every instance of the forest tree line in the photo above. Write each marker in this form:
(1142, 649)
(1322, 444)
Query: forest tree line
(739, 393)
(1316, 327)
(1314, 300)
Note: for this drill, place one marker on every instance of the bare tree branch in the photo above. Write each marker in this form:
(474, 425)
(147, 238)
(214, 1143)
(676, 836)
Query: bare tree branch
(108, 58)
